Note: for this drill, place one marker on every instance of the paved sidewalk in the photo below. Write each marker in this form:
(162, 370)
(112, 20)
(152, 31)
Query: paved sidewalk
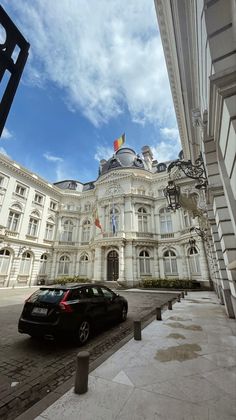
(183, 369)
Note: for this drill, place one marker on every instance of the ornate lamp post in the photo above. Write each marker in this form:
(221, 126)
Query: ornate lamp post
(195, 171)
(172, 193)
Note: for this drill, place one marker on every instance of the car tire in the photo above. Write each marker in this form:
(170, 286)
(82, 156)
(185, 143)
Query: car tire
(123, 315)
(82, 332)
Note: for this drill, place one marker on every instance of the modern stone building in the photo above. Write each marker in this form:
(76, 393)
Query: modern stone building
(199, 38)
(48, 230)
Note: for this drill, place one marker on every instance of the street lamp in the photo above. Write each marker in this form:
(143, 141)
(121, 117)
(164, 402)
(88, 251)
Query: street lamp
(200, 232)
(172, 192)
(195, 171)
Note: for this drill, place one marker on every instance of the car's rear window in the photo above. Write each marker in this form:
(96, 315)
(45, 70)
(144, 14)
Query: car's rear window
(47, 296)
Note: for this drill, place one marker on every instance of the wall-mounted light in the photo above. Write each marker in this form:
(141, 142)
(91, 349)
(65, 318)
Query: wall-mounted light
(172, 192)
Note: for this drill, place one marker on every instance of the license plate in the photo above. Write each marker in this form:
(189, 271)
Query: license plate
(39, 311)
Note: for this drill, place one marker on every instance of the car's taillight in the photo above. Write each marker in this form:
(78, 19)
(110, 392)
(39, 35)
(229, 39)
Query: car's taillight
(65, 306)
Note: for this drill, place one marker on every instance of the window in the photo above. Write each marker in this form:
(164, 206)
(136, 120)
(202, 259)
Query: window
(170, 262)
(4, 261)
(187, 220)
(33, 226)
(67, 234)
(43, 264)
(25, 265)
(144, 262)
(20, 190)
(142, 220)
(83, 265)
(53, 205)
(86, 231)
(1, 180)
(13, 221)
(107, 293)
(49, 231)
(38, 198)
(166, 221)
(64, 265)
(194, 260)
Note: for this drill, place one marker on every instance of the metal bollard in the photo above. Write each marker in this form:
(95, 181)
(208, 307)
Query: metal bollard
(182, 295)
(185, 292)
(170, 304)
(158, 314)
(137, 330)
(81, 375)
(178, 298)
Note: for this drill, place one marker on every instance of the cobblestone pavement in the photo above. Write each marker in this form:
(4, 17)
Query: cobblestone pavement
(30, 369)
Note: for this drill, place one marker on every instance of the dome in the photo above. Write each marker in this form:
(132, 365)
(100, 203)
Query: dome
(123, 158)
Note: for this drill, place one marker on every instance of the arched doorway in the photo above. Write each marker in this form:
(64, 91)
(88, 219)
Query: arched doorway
(112, 266)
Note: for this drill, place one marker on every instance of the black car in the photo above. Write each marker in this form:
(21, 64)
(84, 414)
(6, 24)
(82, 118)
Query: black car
(70, 309)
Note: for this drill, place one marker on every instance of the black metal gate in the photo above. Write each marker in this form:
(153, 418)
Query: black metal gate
(112, 266)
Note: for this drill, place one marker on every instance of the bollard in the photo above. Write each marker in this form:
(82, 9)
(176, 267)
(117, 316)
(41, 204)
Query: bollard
(81, 375)
(178, 298)
(185, 292)
(137, 330)
(182, 295)
(158, 314)
(170, 304)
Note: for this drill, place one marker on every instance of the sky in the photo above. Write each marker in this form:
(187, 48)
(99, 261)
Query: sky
(95, 70)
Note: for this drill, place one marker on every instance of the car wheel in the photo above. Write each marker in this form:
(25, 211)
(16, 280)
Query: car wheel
(82, 332)
(123, 315)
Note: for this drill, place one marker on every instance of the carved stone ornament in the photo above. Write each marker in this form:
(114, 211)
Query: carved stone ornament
(113, 189)
(193, 201)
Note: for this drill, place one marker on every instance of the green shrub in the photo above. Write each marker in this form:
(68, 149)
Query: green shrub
(154, 283)
(74, 279)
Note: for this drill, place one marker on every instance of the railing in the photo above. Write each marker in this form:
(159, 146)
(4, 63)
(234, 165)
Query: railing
(167, 235)
(144, 235)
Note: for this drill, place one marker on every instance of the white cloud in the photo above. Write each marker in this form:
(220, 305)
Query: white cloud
(3, 151)
(103, 153)
(52, 158)
(169, 146)
(106, 58)
(170, 133)
(6, 134)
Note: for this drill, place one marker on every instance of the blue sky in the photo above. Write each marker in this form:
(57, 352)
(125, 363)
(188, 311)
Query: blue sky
(96, 69)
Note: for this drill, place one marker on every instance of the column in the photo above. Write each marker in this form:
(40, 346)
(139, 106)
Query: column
(129, 264)
(121, 264)
(97, 264)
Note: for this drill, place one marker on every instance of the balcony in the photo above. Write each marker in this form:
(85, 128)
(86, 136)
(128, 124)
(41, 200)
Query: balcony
(167, 235)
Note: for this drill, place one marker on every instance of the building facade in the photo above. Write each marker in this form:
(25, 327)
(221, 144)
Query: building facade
(199, 38)
(48, 230)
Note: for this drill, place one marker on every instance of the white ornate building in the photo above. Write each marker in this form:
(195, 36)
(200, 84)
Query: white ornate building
(48, 231)
(199, 38)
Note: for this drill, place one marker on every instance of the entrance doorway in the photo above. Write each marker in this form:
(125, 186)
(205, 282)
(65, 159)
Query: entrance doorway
(112, 266)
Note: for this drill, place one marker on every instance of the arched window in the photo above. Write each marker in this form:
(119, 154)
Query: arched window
(142, 220)
(194, 260)
(43, 264)
(114, 224)
(14, 217)
(64, 265)
(25, 265)
(5, 257)
(166, 221)
(170, 262)
(86, 231)
(33, 223)
(83, 266)
(144, 262)
(49, 231)
(67, 234)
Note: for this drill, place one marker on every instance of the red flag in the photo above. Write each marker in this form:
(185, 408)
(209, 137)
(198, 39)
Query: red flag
(96, 219)
(118, 142)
